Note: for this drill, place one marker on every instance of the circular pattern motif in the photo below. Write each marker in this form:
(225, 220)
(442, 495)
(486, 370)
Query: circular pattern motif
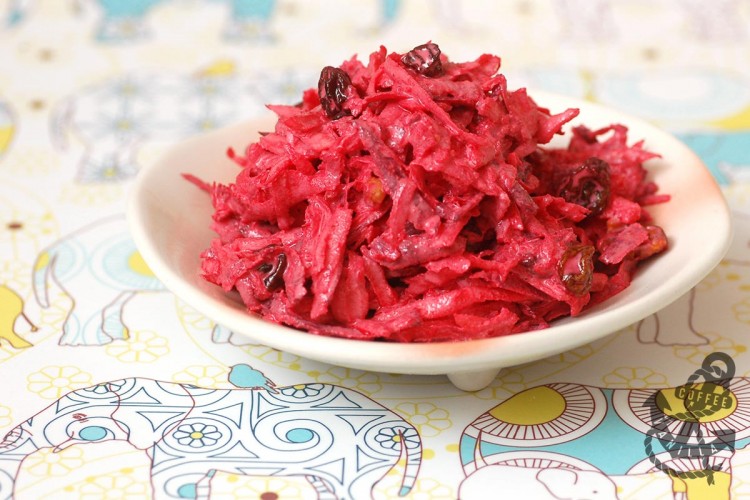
(92, 433)
(118, 264)
(641, 409)
(563, 412)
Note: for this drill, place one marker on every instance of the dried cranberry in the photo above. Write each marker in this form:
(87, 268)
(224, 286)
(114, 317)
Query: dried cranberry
(576, 268)
(274, 280)
(332, 88)
(587, 185)
(424, 59)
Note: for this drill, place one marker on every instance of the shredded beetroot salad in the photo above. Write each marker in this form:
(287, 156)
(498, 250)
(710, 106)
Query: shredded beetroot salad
(411, 200)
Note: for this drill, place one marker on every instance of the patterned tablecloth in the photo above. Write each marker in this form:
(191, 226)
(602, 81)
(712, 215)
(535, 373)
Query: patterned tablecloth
(91, 90)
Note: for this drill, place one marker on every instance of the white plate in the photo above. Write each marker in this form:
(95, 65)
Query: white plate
(169, 219)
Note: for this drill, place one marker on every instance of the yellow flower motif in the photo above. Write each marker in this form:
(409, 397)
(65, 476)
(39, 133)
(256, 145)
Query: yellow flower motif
(113, 486)
(366, 382)
(510, 381)
(741, 311)
(33, 160)
(98, 194)
(713, 279)
(48, 463)
(272, 356)
(204, 376)
(426, 417)
(21, 228)
(52, 382)
(572, 356)
(236, 486)
(5, 419)
(697, 353)
(143, 346)
(14, 273)
(634, 378)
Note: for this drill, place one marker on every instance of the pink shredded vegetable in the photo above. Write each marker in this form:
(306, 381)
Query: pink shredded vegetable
(411, 199)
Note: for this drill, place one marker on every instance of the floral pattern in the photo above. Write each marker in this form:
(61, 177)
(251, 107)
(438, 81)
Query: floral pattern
(634, 378)
(113, 486)
(49, 462)
(429, 419)
(695, 354)
(197, 435)
(367, 382)
(392, 437)
(232, 486)
(301, 391)
(52, 382)
(203, 376)
(742, 310)
(143, 346)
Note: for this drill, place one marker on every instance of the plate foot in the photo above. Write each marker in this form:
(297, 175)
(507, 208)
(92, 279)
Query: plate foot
(473, 381)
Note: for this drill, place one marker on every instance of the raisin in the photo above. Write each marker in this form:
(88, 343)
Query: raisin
(424, 59)
(274, 280)
(332, 89)
(265, 268)
(657, 242)
(587, 185)
(576, 269)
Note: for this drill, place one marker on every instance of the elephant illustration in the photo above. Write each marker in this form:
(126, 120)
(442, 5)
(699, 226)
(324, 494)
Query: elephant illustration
(676, 99)
(554, 483)
(190, 433)
(99, 268)
(7, 127)
(112, 119)
(125, 21)
(680, 330)
(679, 322)
(11, 309)
(616, 432)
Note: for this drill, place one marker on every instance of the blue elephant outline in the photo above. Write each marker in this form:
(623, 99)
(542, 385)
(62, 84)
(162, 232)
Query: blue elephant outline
(100, 269)
(313, 430)
(124, 21)
(248, 20)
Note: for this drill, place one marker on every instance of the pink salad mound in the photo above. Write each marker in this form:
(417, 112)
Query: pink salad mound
(412, 199)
